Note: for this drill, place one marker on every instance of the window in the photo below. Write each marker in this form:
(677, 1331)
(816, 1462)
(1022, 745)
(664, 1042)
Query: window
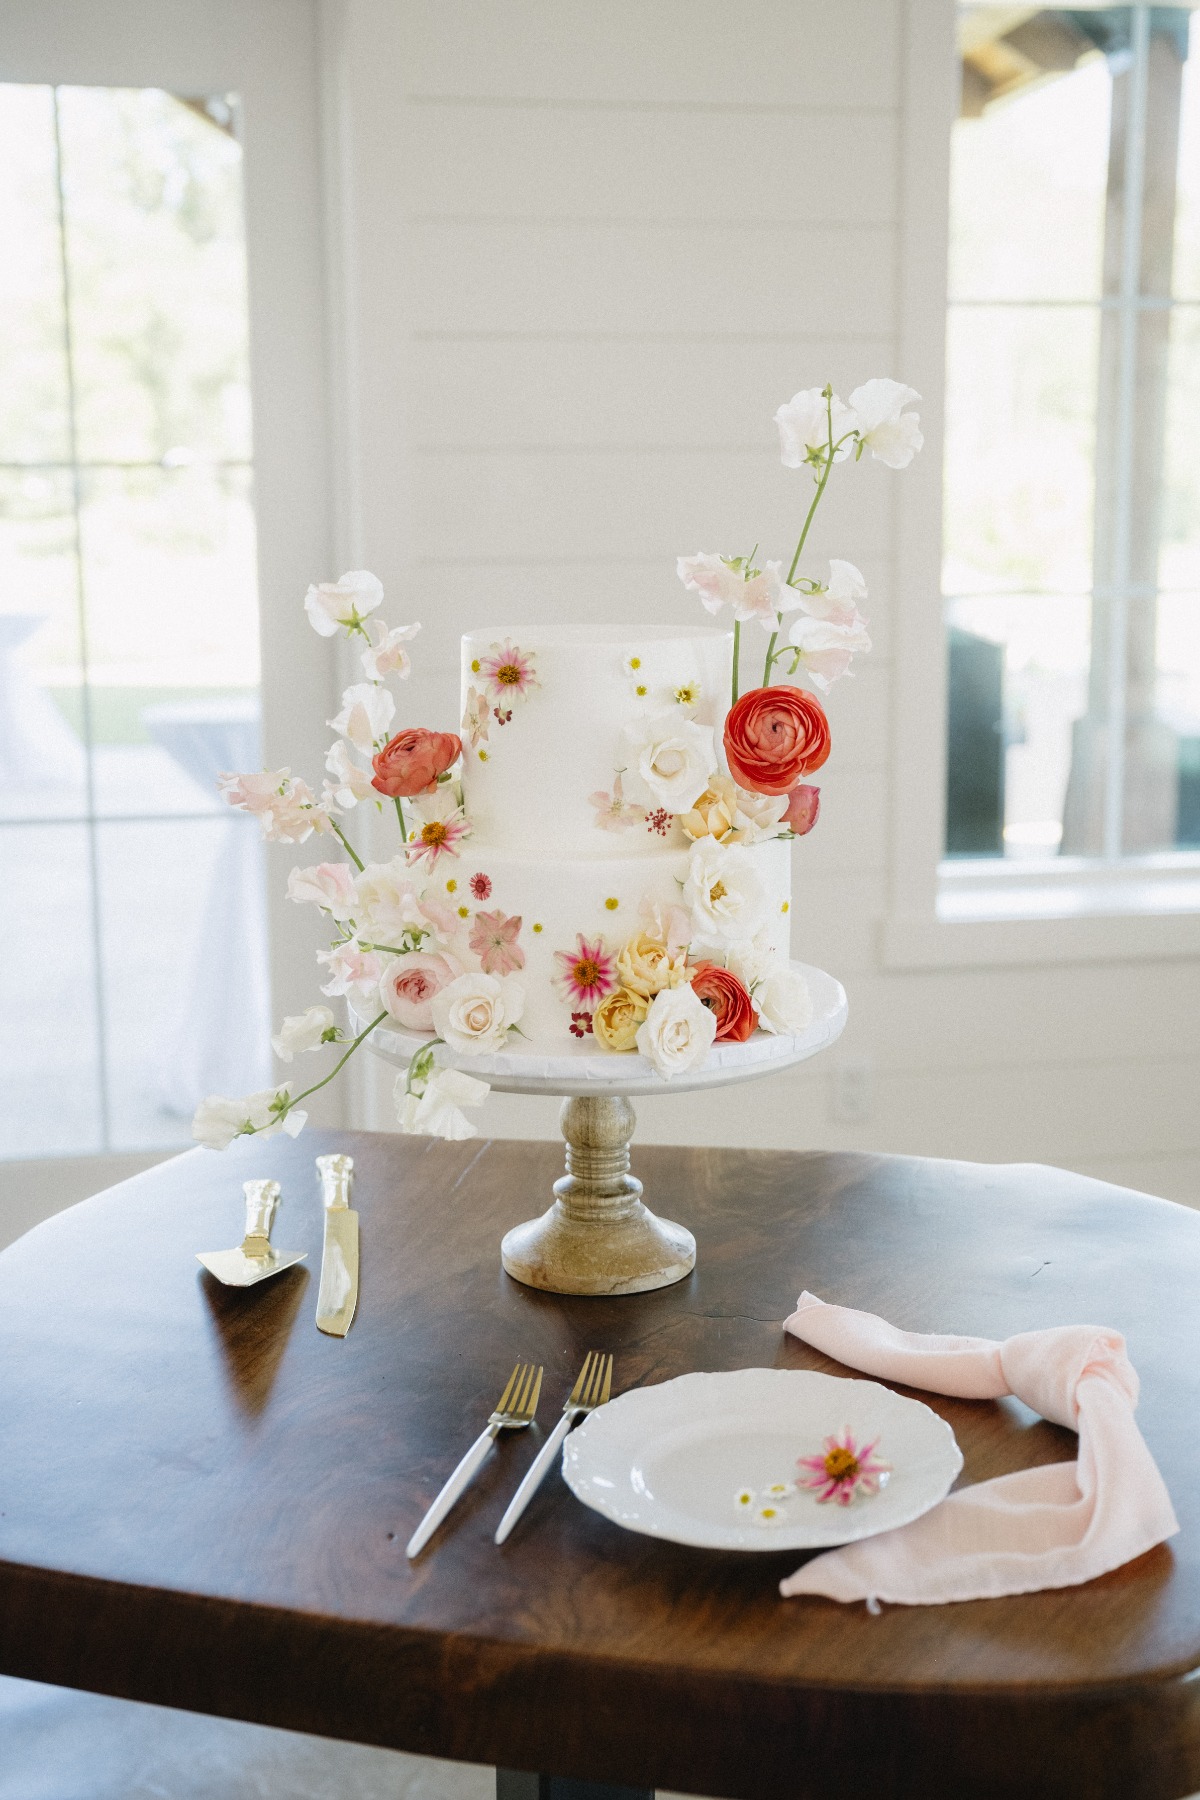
(1072, 539)
(132, 918)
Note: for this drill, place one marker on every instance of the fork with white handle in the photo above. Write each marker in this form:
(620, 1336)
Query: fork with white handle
(590, 1391)
(514, 1410)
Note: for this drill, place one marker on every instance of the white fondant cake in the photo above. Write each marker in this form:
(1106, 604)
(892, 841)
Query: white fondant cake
(582, 749)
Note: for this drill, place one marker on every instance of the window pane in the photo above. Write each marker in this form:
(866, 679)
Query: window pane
(1028, 174)
(1179, 556)
(1018, 682)
(43, 759)
(185, 970)
(1179, 705)
(1020, 437)
(158, 281)
(1187, 217)
(33, 368)
(49, 1076)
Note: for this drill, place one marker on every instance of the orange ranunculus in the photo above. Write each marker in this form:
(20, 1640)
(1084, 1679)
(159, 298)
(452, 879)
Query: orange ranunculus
(413, 760)
(773, 736)
(728, 998)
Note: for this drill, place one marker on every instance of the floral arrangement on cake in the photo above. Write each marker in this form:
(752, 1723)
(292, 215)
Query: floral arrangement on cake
(410, 950)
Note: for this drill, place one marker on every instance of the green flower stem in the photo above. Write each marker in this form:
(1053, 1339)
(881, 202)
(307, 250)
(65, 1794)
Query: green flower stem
(351, 852)
(338, 1066)
(737, 652)
(771, 650)
(804, 530)
(400, 816)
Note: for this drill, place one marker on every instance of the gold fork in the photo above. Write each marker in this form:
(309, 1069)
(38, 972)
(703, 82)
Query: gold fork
(514, 1410)
(590, 1391)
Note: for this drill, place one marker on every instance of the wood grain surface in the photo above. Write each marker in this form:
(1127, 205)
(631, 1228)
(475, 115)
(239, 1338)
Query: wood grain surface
(204, 1501)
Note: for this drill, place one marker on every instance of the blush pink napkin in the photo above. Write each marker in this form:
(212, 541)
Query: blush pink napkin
(1047, 1527)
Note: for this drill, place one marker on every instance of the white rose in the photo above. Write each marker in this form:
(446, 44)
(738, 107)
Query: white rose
(302, 1031)
(782, 1000)
(892, 435)
(218, 1121)
(827, 648)
(387, 903)
(474, 1013)
(803, 423)
(436, 1112)
(757, 816)
(669, 759)
(367, 712)
(724, 894)
(678, 1031)
(345, 603)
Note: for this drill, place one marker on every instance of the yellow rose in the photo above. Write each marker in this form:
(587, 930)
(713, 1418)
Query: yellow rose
(646, 967)
(615, 1021)
(714, 813)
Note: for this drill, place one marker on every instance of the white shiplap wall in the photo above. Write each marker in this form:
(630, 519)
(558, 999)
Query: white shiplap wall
(580, 254)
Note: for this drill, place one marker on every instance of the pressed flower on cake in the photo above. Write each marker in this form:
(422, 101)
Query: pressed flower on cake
(584, 975)
(843, 1470)
(476, 719)
(508, 674)
(494, 940)
(613, 811)
(440, 826)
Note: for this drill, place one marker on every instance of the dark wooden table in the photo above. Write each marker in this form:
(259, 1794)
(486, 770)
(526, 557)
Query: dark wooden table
(204, 1502)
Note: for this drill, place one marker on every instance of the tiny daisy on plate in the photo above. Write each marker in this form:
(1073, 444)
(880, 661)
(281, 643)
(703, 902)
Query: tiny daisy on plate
(586, 973)
(744, 1499)
(769, 1515)
(843, 1470)
(778, 1490)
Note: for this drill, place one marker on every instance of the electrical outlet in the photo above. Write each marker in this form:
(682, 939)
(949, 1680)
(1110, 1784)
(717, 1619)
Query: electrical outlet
(852, 1091)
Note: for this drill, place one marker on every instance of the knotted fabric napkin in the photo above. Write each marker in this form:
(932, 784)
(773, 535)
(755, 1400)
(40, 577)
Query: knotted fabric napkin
(1047, 1527)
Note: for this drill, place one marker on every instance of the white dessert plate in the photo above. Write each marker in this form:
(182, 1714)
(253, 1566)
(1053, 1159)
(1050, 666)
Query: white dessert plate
(671, 1461)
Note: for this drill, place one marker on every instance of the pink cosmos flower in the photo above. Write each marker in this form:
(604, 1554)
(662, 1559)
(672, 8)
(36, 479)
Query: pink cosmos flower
(843, 1469)
(613, 811)
(508, 672)
(481, 886)
(438, 826)
(586, 973)
(494, 940)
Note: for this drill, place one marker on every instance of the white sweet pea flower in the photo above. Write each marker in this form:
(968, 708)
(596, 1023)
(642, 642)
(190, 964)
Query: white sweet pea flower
(351, 782)
(752, 594)
(436, 1112)
(724, 894)
(287, 809)
(218, 1121)
(668, 759)
(838, 600)
(367, 712)
(677, 1032)
(804, 428)
(892, 435)
(826, 649)
(782, 1000)
(327, 885)
(475, 1013)
(387, 655)
(343, 605)
(387, 902)
(303, 1031)
(751, 958)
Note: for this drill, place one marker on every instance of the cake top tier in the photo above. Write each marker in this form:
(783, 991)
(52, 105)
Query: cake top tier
(579, 739)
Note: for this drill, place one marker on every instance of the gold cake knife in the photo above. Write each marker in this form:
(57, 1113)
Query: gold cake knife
(338, 1294)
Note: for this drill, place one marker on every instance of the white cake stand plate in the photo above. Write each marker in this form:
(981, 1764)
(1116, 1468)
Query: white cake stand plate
(599, 1237)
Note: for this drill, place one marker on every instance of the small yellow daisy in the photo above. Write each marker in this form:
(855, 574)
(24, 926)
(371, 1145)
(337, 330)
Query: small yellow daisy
(475, 666)
(483, 756)
(641, 690)
(612, 903)
(743, 1500)
(688, 694)
(452, 886)
(464, 912)
(635, 663)
(786, 907)
(537, 928)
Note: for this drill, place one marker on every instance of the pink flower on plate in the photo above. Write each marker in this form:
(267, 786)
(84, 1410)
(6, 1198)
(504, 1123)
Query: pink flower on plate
(481, 886)
(586, 973)
(843, 1470)
(494, 940)
(508, 673)
(613, 811)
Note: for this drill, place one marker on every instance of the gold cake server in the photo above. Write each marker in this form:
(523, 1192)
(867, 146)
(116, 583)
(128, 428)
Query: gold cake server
(338, 1295)
(255, 1257)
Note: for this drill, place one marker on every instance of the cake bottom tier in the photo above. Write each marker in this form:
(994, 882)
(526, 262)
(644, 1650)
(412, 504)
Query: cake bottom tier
(599, 900)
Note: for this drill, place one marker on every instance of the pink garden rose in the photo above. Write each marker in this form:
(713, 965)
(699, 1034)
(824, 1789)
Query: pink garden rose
(804, 809)
(408, 985)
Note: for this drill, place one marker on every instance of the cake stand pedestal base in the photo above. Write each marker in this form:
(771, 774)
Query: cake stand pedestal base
(598, 1237)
